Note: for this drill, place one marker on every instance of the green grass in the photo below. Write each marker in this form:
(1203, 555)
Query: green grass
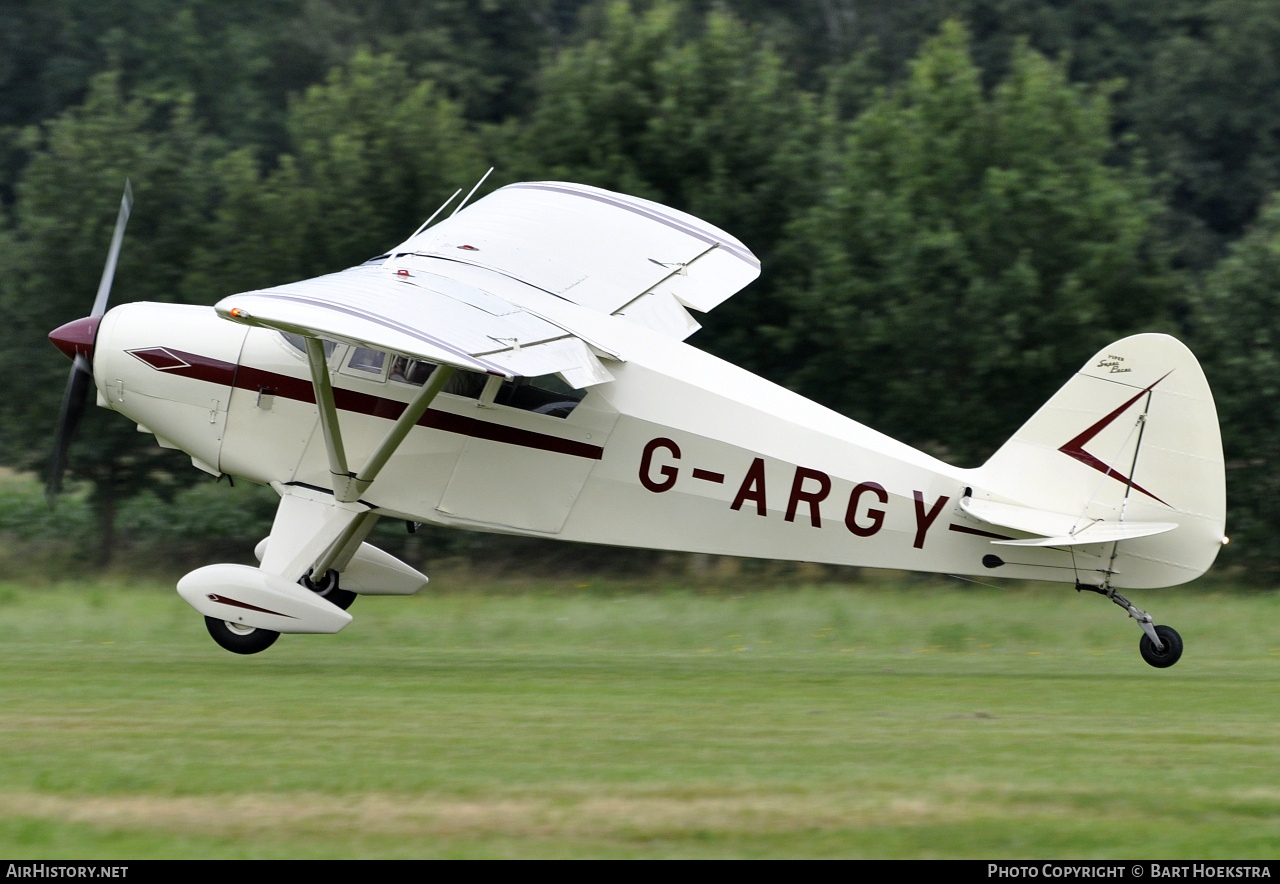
(894, 719)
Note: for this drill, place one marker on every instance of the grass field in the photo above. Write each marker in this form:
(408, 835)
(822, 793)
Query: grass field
(894, 719)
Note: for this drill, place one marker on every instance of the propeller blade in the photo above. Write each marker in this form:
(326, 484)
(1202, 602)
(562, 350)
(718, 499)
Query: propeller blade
(79, 383)
(109, 270)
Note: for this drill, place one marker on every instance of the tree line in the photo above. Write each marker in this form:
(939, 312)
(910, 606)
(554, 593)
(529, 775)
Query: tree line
(955, 201)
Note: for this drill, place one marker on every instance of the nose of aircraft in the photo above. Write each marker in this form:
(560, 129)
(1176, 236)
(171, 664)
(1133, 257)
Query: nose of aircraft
(76, 338)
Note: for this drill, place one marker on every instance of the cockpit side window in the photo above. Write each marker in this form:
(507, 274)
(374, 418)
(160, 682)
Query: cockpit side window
(416, 371)
(364, 359)
(547, 394)
(411, 371)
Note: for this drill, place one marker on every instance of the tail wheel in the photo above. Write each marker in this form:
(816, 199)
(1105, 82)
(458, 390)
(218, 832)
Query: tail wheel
(238, 638)
(1171, 643)
(1172, 647)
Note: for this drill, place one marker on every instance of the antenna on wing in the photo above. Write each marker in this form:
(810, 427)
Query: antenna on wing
(473, 191)
(395, 253)
(427, 223)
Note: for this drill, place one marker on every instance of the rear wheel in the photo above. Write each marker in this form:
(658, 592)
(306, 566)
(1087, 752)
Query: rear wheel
(238, 638)
(1172, 647)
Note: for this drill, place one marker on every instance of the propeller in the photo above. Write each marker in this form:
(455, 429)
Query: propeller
(76, 340)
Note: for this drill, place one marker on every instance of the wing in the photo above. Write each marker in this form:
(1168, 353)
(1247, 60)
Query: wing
(453, 294)
(476, 292)
(425, 315)
(600, 249)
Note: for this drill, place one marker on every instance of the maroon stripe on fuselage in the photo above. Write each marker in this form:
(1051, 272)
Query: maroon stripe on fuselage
(965, 529)
(249, 378)
(469, 426)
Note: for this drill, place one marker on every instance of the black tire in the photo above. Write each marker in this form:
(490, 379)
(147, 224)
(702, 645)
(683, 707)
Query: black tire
(1172, 647)
(340, 597)
(240, 639)
(329, 590)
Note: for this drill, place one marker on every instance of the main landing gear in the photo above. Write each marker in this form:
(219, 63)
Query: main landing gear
(238, 638)
(1161, 646)
(327, 589)
(241, 639)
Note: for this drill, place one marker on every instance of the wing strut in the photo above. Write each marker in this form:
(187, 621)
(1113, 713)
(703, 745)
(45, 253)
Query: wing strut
(348, 486)
(404, 423)
(339, 475)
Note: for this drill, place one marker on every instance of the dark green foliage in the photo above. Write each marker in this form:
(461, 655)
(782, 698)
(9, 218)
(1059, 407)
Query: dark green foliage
(241, 60)
(1207, 109)
(65, 211)
(970, 250)
(949, 222)
(372, 152)
(697, 113)
(1238, 330)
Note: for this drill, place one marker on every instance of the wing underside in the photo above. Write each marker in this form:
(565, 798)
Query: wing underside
(424, 315)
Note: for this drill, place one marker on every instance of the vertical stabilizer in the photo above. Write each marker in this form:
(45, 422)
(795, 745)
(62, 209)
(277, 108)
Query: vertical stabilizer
(1132, 437)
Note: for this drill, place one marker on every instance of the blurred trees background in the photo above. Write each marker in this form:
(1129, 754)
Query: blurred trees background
(955, 201)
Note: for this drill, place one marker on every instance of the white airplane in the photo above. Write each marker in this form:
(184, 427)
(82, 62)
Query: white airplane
(520, 367)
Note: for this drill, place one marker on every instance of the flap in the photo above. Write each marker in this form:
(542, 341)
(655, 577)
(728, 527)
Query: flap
(662, 312)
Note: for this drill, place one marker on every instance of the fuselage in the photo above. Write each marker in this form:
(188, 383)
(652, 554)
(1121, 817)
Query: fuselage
(681, 451)
(521, 368)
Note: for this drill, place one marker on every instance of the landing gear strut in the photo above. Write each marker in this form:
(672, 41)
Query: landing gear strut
(1161, 646)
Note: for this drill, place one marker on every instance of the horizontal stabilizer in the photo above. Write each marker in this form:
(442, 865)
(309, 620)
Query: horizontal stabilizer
(1020, 518)
(1057, 529)
(1097, 532)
